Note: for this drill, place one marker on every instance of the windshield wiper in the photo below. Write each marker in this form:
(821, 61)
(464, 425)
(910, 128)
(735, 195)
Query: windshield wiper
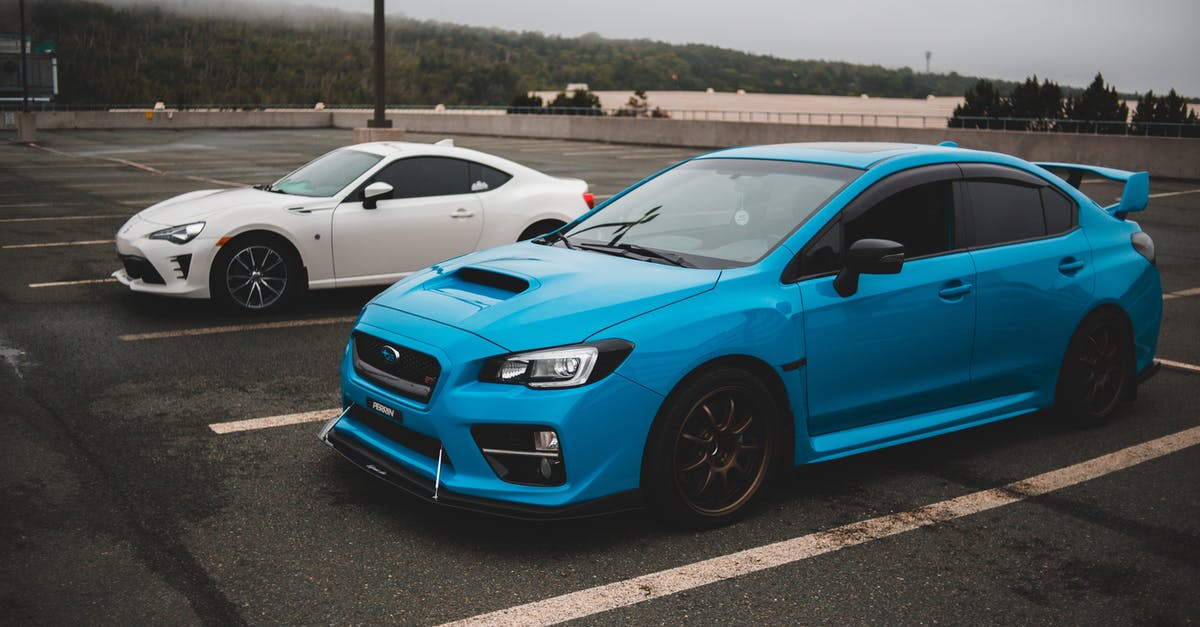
(632, 251)
(269, 187)
(549, 238)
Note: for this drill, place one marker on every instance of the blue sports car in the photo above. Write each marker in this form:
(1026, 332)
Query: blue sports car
(746, 311)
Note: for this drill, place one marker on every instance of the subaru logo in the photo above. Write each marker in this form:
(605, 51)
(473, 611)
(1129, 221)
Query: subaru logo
(389, 354)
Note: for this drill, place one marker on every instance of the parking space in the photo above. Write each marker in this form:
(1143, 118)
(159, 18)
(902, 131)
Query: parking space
(159, 463)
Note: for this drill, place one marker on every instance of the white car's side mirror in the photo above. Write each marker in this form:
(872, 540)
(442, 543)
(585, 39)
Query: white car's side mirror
(375, 192)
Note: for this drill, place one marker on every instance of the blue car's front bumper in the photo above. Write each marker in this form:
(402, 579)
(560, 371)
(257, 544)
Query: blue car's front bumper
(595, 424)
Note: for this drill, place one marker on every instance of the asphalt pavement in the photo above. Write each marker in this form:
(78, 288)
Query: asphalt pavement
(120, 504)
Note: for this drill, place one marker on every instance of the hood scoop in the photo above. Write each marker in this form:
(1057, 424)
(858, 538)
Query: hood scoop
(468, 291)
(489, 278)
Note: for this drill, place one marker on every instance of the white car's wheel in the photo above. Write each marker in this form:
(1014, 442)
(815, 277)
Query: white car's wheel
(255, 274)
(539, 228)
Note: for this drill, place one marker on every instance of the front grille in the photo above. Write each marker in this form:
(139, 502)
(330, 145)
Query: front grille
(140, 268)
(417, 442)
(403, 370)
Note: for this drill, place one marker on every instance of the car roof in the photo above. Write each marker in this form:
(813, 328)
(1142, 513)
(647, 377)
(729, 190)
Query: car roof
(861, 155)
(389, 149)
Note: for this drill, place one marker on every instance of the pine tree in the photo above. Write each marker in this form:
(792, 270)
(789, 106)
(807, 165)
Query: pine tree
(980, 101)
(1099, 109)
(1041, 104)
(1159, 115)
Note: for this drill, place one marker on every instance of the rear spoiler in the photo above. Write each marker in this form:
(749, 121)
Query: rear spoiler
(1134, 197)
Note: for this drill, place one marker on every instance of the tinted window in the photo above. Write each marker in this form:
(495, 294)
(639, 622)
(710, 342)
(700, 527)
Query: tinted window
(426, 176)
(920, 217)
(824, 254)
(1004, 212)
(1060, 211)
(484, 178)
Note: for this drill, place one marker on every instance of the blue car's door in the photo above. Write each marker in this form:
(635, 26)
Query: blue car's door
(901, 345)
(1035, 277)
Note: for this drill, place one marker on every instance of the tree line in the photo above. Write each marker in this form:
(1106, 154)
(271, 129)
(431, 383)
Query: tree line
(1099, 108)
(139, 54)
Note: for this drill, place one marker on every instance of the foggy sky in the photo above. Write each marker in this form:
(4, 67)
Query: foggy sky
(1137, 45)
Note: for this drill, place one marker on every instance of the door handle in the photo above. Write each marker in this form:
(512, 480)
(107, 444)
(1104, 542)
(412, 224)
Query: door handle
(462, 213)
(954, 291)
(1070, 266)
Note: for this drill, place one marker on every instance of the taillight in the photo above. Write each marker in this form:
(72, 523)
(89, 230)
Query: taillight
(1144, 245)
(590, 199)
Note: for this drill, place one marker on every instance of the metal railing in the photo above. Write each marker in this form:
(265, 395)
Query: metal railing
(1078, 127)
(811, 118)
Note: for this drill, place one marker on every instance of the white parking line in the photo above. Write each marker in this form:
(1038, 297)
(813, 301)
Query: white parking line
(133, 164)
(1178, 365)
(69, 283)
(204, 179)
(592, 601)
(272, 421)
(286, 324)
(140, 166)
(61, 218)
(1167, 194)
(92, 242)
(1181, 293)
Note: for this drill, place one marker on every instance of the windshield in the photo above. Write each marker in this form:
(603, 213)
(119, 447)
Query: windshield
(326, 175)
(710, 213)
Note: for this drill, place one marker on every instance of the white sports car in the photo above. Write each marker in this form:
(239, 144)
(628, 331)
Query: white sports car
(361, 215)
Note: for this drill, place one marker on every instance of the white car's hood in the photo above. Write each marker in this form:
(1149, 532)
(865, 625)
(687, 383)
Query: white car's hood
(203, 204)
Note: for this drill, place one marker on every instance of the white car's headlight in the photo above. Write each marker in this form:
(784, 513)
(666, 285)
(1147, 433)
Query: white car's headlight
(562, 367)
(181, 234)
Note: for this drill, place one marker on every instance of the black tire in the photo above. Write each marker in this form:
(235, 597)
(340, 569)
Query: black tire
(255, 274)
(1096, 371)
(712, 449)
(539, 228)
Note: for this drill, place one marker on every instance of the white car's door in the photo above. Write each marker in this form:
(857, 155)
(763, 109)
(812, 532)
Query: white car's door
(432, 215)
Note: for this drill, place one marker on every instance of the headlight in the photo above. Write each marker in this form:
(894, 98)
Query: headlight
(562, 367)
(181, 234)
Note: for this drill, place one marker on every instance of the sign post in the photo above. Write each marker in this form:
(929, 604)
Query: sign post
(379, 128)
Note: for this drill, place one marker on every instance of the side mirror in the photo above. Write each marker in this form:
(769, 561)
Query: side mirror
(374, 193)
(868, 256)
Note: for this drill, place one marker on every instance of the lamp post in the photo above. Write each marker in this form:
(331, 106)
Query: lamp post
(379, 121)
(25, 64)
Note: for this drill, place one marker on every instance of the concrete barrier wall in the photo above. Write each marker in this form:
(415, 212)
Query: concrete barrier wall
(1162, 156)
(179, 120)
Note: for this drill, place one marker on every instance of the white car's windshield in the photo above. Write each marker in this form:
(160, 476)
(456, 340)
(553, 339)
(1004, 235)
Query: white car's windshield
(326, 175)
(711, 213)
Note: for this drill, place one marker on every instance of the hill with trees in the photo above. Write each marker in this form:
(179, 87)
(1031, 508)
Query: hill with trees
(139, 55)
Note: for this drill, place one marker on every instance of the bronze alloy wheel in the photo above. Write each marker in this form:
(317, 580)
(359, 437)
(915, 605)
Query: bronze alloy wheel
(720, 449)
(1103, 370)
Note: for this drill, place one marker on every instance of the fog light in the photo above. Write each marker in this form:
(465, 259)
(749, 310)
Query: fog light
(522, 454)
(545, 441)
